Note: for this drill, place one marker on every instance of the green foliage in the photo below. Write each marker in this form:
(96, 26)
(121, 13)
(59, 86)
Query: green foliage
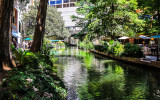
(86, 45)
(109, 18)
(46, 46)
(101, 48)
(152, 23)
(61, 43)
(35, 80)
(133, 51)
(54, 22)
(110, 86)
(20, 55)
(88, 58)
(115, 48)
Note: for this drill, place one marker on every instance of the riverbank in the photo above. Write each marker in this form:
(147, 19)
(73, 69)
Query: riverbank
(139, 61)
(35, 78)
(94, 77)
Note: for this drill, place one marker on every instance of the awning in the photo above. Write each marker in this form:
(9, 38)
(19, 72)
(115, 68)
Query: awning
(14, 33)
(156, 36)
(27, 39)
(123, 38)
(144, 37)
(56, 40)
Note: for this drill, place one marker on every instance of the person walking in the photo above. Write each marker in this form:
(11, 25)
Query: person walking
(29, 45)
(24, 44)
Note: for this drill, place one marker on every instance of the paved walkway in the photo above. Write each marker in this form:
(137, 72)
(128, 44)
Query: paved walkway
(153, 58)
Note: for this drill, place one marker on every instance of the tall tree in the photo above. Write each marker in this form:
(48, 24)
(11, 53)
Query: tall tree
(6, 9)
(40, 26)
(151, 14)
(112, 18)
(53, 19)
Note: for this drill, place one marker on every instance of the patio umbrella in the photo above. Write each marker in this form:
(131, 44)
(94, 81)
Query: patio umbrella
(123, 38)
(27, 39)
(156, 36)
(144, 37)
(56, 40)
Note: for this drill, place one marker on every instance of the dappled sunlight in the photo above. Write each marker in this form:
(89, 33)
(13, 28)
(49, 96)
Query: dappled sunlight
(88, 77)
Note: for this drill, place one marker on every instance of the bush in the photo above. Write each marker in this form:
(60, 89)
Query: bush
(35, 80)
(61, 43)
(133, 51)
(81, 45)
(86, 45)
(115, 48)
(101, 48)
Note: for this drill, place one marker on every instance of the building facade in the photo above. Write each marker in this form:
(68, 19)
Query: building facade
(16, 23)
(62, 3)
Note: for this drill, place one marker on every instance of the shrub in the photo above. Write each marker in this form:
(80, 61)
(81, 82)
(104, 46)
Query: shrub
(61, 43)
(34, 80)
(86, 45)
(101, 48)
(115, 48)
(45, 49)
(81, 45)
(133, 51)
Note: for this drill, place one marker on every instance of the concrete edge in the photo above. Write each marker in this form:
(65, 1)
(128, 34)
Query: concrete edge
(139, 61)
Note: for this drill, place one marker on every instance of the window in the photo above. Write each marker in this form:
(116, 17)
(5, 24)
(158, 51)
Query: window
(19, 27)
(13, 20)
(72, 5)
(58, 6)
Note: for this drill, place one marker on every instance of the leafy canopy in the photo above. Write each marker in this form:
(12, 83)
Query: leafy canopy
(54, 22)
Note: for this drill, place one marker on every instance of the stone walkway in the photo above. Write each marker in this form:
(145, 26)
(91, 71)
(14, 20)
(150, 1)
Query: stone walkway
(153, 58)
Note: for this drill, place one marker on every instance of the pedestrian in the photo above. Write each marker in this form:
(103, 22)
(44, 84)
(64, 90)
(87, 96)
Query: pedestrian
(29, 45)
(24, 44)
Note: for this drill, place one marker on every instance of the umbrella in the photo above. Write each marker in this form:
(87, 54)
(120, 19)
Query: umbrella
(144, 37)
(156, 36)
(123, 38)
(56, 40)
(27, 39)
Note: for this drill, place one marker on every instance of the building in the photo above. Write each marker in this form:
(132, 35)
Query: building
(62, 3)
(68, 8)
(16, 23)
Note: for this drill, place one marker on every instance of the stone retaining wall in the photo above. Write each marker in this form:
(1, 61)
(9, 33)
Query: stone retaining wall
(139, 61)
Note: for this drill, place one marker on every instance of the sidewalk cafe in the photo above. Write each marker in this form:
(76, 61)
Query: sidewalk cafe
(149, 45)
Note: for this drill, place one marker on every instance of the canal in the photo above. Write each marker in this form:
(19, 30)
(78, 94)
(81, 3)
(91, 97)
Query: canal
(90, 77)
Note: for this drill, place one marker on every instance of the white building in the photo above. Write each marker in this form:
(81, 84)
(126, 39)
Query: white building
(67, 7)
(16, 23)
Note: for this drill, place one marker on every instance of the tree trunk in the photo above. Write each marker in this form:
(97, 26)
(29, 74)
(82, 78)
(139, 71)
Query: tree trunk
(6, 10)
(158, 12)
(113, 37)
(40, 27)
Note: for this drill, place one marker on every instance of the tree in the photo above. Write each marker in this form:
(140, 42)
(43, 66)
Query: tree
(40, 26)
(6, 9)
(53, 19)
(112, 18)
(151, 14)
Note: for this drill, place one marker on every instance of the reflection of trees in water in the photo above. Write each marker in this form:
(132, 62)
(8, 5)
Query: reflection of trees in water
(116, 84)
(154, 85)
(108, 80)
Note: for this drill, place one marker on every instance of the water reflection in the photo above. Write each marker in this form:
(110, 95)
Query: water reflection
(88, 77)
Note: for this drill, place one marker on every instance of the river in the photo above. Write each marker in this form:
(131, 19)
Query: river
(91, 77)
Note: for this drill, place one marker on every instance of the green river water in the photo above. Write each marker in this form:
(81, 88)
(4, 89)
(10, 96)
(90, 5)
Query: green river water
(91, 77)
